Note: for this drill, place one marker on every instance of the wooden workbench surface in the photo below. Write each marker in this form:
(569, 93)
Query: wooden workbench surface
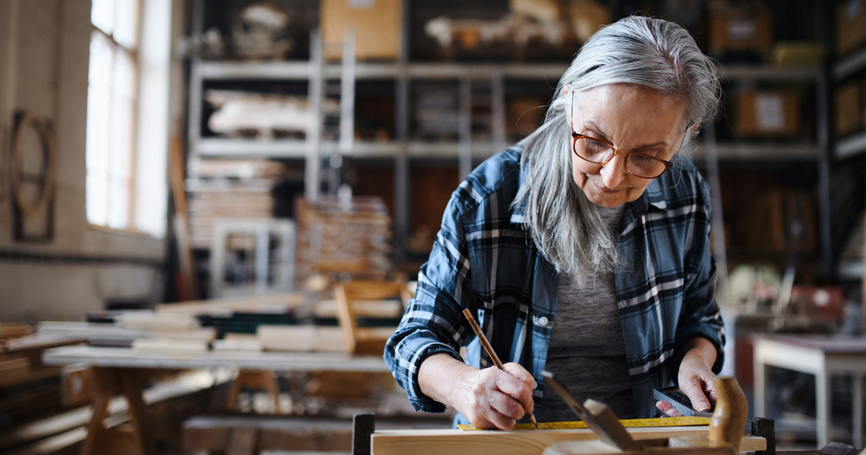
(524, 442)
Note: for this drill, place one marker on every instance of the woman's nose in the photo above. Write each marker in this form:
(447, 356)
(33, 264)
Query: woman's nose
(613, 173)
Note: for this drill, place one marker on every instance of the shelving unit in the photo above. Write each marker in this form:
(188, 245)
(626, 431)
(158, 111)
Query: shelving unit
(849, 147)
(402, 149)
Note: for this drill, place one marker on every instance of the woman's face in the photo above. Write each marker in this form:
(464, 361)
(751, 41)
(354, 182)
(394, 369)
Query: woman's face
(629, 117)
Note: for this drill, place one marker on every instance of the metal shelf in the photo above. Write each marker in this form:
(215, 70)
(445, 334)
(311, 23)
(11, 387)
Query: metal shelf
(301, 70)
(849, 65)
(298, 148)
(764, 152)
(792, 73)
(851, 270)
(850, 146)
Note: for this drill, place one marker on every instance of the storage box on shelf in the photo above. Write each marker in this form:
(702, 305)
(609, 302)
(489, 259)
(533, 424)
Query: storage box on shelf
(767, 114)
(738, 32)
(376, 24)
(849, 107)
(850, 25)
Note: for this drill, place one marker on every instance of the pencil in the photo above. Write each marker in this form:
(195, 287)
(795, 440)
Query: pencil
(487, 347)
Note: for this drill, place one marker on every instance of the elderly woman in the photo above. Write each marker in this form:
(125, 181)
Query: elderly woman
(583, 250)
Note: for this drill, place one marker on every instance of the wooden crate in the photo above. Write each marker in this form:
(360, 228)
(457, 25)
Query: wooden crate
(377, 25)
(767, 114)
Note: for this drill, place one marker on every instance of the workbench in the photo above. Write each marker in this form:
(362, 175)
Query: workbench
(821, 356)
(125, 370)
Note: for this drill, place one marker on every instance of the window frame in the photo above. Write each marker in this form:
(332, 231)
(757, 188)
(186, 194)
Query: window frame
(131, 183)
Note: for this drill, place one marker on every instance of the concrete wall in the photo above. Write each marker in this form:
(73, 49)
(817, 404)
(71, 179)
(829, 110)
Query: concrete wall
(44, 47)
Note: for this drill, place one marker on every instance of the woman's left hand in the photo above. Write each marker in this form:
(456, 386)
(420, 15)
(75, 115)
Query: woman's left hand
(695, 377)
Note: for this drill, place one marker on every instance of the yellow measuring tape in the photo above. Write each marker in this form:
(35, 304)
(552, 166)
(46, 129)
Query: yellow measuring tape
(628, 423)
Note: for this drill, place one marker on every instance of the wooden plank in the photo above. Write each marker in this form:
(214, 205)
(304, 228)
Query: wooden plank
(295, 434)
(525, 442)
(109, 332)
(237, 342)
(40, 341)
(189, 285)
(34, 374)
(170, 345)
(13, 370)
(370, 308)
(242, 441)
(278, 361)
(156, 322)
(229, 305)
(14, 330)
(301, 338)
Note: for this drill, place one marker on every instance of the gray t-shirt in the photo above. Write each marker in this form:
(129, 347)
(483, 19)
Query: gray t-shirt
(587, 349)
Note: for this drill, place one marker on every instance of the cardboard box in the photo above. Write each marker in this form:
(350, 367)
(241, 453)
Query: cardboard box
(849, 107)
(740, 30)
(377, 25)
(850, 25)
(767, 114)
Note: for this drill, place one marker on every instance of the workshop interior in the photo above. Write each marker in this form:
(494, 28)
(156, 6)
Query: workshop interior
(215, 213)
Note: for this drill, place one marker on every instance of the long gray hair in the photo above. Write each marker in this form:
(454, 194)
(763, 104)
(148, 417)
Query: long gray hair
(653, 53)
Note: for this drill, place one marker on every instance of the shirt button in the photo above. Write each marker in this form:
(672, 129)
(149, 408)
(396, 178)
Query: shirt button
(542, 321)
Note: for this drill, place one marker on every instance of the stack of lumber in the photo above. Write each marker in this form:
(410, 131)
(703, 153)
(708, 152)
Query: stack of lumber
(139, 330)
(210, 200)
(279, 322)
(167, 400)
(13, 330)
(27, 387)
(335, 239)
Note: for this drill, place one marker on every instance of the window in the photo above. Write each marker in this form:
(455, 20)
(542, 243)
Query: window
(128, 115)
(112, 102)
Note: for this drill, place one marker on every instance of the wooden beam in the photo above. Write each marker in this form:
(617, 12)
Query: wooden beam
(524, 442)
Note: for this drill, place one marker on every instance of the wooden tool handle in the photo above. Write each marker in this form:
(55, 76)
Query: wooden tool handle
(732, 411)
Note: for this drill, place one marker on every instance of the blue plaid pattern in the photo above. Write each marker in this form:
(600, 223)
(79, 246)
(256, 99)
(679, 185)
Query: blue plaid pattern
(484, 259)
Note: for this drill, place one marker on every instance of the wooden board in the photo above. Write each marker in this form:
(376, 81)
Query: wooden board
(97, 331)
(228, 305)
(301, 338)
(528, 442)
(237, 342)
(307, 434)
(13, 370)
(169, 344)
(277, 361)
(14, 330)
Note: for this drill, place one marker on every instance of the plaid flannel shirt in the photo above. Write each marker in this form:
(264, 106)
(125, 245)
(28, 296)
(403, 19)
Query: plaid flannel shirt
(484, 259)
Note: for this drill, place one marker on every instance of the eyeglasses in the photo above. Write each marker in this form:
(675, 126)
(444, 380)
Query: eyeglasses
(599, 152)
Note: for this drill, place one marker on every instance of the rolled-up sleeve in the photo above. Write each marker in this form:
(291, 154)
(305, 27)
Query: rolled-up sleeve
(433, 321)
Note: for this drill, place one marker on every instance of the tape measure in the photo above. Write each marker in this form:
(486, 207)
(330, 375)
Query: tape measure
(628, 423)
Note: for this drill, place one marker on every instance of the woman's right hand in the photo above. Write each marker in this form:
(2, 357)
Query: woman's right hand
(489, 398)
(492, 398)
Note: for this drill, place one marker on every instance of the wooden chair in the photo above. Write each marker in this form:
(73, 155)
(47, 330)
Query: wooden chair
(369, 299)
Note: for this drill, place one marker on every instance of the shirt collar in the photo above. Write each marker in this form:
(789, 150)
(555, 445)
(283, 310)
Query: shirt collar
(652, 197)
